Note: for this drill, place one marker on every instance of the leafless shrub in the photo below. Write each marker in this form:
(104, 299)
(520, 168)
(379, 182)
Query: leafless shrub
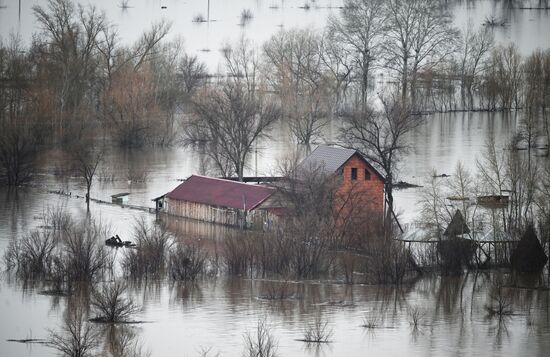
(500, 304)
(317, 331)
(261, 342)
(187, 262)
(416, 317)
(207, 352)
(58, 219)
(149, 258)
(32, 256)
(122, 341)
(199, 18)
(246, 17)
(83, 256)
(238, 255)
(493, 21)
(388, 261)
(111, 304)
(78, 337)
(371, 322)
(67, 254)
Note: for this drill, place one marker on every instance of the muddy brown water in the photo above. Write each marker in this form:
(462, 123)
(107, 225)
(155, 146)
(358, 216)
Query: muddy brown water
(216, 313)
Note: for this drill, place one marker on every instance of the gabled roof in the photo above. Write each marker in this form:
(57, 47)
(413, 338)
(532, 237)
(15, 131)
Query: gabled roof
(221, 193)
(457, 226)
(331, 159)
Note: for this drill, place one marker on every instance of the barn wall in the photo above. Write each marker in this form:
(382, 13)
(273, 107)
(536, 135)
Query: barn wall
(220, 215)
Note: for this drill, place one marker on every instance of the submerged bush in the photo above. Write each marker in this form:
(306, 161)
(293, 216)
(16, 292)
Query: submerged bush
(388, 261)
(77, 337)
(111, 304)
(84, 256)
(32, 256)
(149, 258)
(317, 331)
(187, 262)
(71, 252)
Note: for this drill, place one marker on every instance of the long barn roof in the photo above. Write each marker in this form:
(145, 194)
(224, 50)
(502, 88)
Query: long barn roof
(221, 193)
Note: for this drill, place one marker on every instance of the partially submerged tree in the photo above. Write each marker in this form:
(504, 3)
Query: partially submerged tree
(294, 69)
(360, 29)
(78, 337)
(111, 304)
(229, 121)
(86, 160)
(19, 127)
(381, 137)
(421, 36)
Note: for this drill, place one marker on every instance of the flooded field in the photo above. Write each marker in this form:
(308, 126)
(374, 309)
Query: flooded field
(526, 28)
(433, 316)
(216, 313)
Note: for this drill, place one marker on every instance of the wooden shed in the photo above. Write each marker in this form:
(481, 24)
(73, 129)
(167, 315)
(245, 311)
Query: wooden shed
(220, 201)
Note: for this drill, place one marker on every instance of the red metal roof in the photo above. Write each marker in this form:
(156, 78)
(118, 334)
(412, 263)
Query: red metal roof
(221, 193)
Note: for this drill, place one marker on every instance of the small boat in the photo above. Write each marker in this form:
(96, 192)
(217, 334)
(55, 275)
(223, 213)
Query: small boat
(115, 241)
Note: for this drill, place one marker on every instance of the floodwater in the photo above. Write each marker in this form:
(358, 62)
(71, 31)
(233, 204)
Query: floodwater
(216, 313)
(528, 29)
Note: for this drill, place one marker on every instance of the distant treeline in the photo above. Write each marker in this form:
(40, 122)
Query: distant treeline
(77, 81)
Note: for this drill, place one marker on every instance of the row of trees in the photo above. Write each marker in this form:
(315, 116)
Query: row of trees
(76, 81)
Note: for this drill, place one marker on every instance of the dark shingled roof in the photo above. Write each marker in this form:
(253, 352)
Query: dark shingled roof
(220, 193)
(331, 159)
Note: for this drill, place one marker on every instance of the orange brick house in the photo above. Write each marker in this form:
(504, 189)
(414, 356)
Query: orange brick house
(360, 191)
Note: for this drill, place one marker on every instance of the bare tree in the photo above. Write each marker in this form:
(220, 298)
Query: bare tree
(78, 337)
(435, 213)
(491, 167)
(242, 64)
(295, 71)
(229, 120)
(68, 55)
(421, 36)
(381, 137)
(131, 107)
(260, 343)
(506, 76)
(110, 303)
(86, 160)
(475, 47)
(19, 124)
(192, 73)
(360, 28)
(338, 62)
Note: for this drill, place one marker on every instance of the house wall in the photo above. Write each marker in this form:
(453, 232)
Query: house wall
(363, 197)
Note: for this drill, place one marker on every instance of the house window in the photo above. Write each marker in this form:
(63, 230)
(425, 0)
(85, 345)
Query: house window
(367, 175)
(354, 173)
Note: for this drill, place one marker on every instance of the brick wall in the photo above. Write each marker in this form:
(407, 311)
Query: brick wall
(360, 197)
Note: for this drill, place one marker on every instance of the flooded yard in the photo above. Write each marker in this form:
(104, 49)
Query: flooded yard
(431, 315)
(183, 319)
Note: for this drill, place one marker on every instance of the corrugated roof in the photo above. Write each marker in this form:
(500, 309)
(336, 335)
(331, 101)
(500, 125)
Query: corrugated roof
(326, 157)
(331, 159)
(221, 193)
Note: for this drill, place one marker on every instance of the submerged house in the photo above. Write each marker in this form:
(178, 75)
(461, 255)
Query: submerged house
(220, 201)
(360, 186)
